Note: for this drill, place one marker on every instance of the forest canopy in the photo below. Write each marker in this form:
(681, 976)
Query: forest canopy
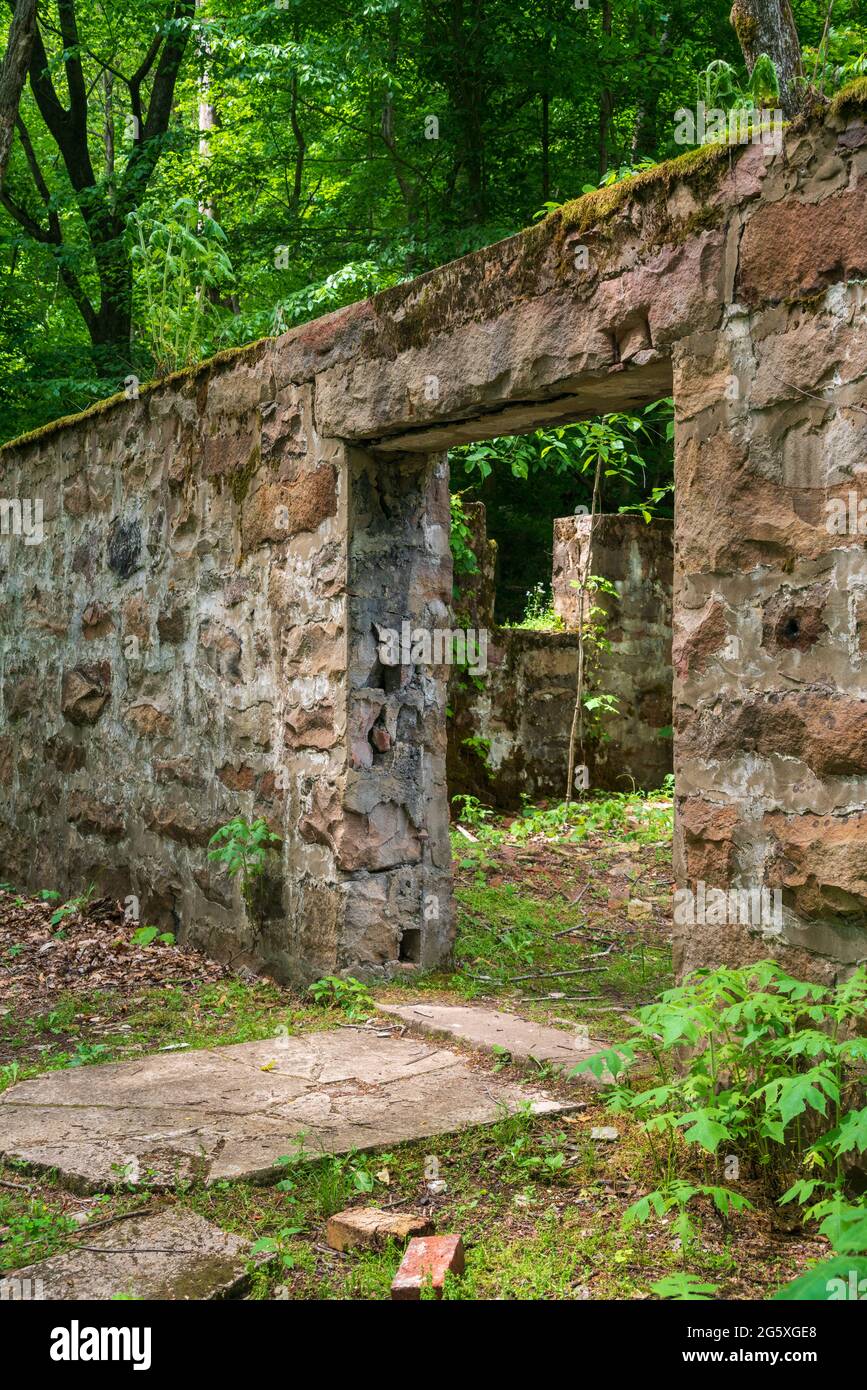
(187, 176)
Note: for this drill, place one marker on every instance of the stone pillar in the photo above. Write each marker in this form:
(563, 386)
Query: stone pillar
(393, 848)
(771, 624)
(474, 605)
(634, 556)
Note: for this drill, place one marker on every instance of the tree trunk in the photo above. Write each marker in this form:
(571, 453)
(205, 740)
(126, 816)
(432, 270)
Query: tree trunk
(546, 147)
(111, 330)
(104, 204)
(644, 136)
(606, 103)
(13, 71)
(767, 26)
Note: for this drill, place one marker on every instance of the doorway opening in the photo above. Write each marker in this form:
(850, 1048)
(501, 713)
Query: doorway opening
(562, 543)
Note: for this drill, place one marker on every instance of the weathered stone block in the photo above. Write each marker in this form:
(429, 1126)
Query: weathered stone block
(85, 692)
(370, 1228)
(793, 248)
(277, 511)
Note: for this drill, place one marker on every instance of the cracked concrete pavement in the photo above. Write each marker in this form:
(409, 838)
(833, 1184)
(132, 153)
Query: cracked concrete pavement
(231, 1112)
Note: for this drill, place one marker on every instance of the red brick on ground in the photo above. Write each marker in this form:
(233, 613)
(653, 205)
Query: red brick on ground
(427, 1258)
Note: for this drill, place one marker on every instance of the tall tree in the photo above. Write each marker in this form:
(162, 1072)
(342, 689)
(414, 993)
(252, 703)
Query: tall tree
(103, 199)
(767, 26)
(13, 73)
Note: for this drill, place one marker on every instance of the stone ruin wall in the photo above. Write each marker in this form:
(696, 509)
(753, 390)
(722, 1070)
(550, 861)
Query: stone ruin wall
(634, 665)
(509, 729)
(192, 642)
(245, 521)
(770, 602)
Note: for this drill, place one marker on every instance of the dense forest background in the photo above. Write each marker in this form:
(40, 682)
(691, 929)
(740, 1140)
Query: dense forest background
(190, 175)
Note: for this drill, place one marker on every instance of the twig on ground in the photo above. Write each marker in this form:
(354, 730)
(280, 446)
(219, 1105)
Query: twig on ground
(466, 833)
(541, 998)
(557, 974)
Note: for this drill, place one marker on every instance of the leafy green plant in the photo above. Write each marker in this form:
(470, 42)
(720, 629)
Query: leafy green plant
(349, 995)
(621, 172)
(69, 908)
(572, 449)
(353, 281)
(181, 262)
(32, 1233)
(539, 615)
(623, 814)
(144, 936)
(481, 747)
(277, 1246)
(686, 1288)
(594, 620)
(470, 809)
(676, 1195)
(771, 1064)
(840, 57)
(721, 87)
(843, 1277)
(243, 848)
(58, 1020)
(9, 1074)
(87, 1053)
(463, 554)
(329, 1182)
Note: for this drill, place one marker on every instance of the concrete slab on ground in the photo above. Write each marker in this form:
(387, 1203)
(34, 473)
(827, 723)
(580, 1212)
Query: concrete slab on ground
(488, 1028)
(173, 1254)
(231, 1112)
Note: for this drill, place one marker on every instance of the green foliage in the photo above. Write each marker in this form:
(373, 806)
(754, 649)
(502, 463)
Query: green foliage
(243, 848)
(69, 909)
(87, 1053)
(721, 87)
(841, 58)
(755, 1065)
(463, 555)
(636, 454)
(481, 747)
(685, 1288)
(539, 615)
(145, 936)
(182, 264)
(593, 626)
(327, 1183)
(830, 1281)
(32, 1233)
(623, 171)
(628, 816)
(349, 995)
(569, 450)
(318, 167)
(276, 1246)
(9, 1074)
(470, 809)
(523, 1155)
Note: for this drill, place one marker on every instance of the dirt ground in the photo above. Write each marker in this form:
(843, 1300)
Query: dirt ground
(562, 925)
